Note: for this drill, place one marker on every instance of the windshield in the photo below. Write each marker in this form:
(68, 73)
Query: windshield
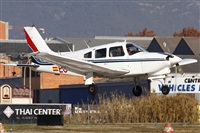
(133, 48)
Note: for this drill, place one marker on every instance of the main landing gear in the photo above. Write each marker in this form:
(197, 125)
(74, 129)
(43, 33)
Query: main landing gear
(137, 90)
(92, 89)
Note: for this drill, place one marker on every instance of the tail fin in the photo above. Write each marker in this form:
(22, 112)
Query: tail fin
(35, 40)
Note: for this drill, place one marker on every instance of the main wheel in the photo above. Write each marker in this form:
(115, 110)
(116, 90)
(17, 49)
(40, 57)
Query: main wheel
(165, 90)
(137, 91)
(92, 89)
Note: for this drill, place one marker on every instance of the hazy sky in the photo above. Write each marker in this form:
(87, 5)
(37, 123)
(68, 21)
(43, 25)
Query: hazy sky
(88, 18)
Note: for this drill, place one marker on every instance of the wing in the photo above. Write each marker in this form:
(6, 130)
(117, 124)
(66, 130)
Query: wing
(80, 66)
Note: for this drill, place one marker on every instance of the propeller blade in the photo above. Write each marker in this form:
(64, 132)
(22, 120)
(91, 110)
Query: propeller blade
(186, 61)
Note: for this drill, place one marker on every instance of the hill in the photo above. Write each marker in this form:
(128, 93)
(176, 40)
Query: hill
(89, 18)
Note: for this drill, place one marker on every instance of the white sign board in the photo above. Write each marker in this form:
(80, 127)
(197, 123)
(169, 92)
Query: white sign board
(6, 94)
(187, 84)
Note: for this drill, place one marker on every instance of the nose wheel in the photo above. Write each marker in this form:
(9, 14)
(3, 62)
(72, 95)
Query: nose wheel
(137, 90)
(165, 90)
(92, 89)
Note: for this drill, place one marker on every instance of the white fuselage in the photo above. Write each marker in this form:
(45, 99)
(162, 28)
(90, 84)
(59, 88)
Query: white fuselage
(139, 63)
(54, 69)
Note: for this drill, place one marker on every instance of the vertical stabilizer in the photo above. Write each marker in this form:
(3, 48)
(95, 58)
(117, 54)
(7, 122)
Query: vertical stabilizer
(35, 40)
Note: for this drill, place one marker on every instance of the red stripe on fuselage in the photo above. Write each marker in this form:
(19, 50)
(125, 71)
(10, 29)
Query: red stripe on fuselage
(30, 42)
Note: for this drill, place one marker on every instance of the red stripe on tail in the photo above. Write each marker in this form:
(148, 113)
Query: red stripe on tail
(30, 42)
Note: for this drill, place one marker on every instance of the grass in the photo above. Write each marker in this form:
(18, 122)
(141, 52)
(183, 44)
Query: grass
(134, 115)
(122, 128)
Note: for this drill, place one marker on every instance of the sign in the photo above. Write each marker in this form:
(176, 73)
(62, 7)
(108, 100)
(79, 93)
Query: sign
(21, 93)
(28, 113)
(79, 110)
(177, 85)
(68, 109)
(6, 94)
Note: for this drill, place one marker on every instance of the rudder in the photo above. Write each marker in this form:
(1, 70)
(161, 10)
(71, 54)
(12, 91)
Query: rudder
(35, 40)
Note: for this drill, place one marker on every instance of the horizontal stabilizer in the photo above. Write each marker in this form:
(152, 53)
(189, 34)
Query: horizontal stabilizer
(186, 62)
(22, 65)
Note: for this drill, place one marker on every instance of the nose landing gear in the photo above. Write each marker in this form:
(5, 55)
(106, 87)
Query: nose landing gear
(165, 90)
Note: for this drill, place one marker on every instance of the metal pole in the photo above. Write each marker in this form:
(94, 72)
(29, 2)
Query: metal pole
(9, 66)
(175, 77)
(24, 76)
(30, 93)
(30, 85)
(88, 111)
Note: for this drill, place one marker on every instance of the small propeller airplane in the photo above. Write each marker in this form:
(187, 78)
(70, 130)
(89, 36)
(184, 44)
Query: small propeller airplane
(113, 60)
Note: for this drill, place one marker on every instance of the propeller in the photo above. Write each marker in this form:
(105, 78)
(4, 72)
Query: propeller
(186, 61)
(178, 67)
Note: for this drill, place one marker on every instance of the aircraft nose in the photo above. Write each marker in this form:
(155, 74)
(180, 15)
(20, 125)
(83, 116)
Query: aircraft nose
(174, 60)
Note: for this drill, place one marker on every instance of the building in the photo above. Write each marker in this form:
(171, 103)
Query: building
(185, 47)
(4, 30)
(176, 45)
(164, 44)
(188, 46)
(8, 71)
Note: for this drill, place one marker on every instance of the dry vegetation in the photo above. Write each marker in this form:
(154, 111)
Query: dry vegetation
(152, 108)
(122, 115)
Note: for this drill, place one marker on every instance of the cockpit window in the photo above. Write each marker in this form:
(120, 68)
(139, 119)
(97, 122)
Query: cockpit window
(100, 53)
(116, 51)
(132, 49)
(88, 55)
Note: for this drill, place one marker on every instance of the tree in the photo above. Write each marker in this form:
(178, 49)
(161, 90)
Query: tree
(129, 34)
(187, 32)
(145, 33)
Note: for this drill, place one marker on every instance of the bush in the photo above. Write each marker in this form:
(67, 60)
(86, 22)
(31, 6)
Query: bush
(152, 108)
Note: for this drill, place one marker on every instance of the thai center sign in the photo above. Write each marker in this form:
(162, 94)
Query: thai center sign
(177, 85)
(28, 113)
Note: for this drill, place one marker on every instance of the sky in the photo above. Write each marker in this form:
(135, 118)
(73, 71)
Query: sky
(89, 18)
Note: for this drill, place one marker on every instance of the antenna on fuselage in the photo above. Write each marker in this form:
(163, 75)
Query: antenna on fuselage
(166, 46)
(64, 41)
(87, 43)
